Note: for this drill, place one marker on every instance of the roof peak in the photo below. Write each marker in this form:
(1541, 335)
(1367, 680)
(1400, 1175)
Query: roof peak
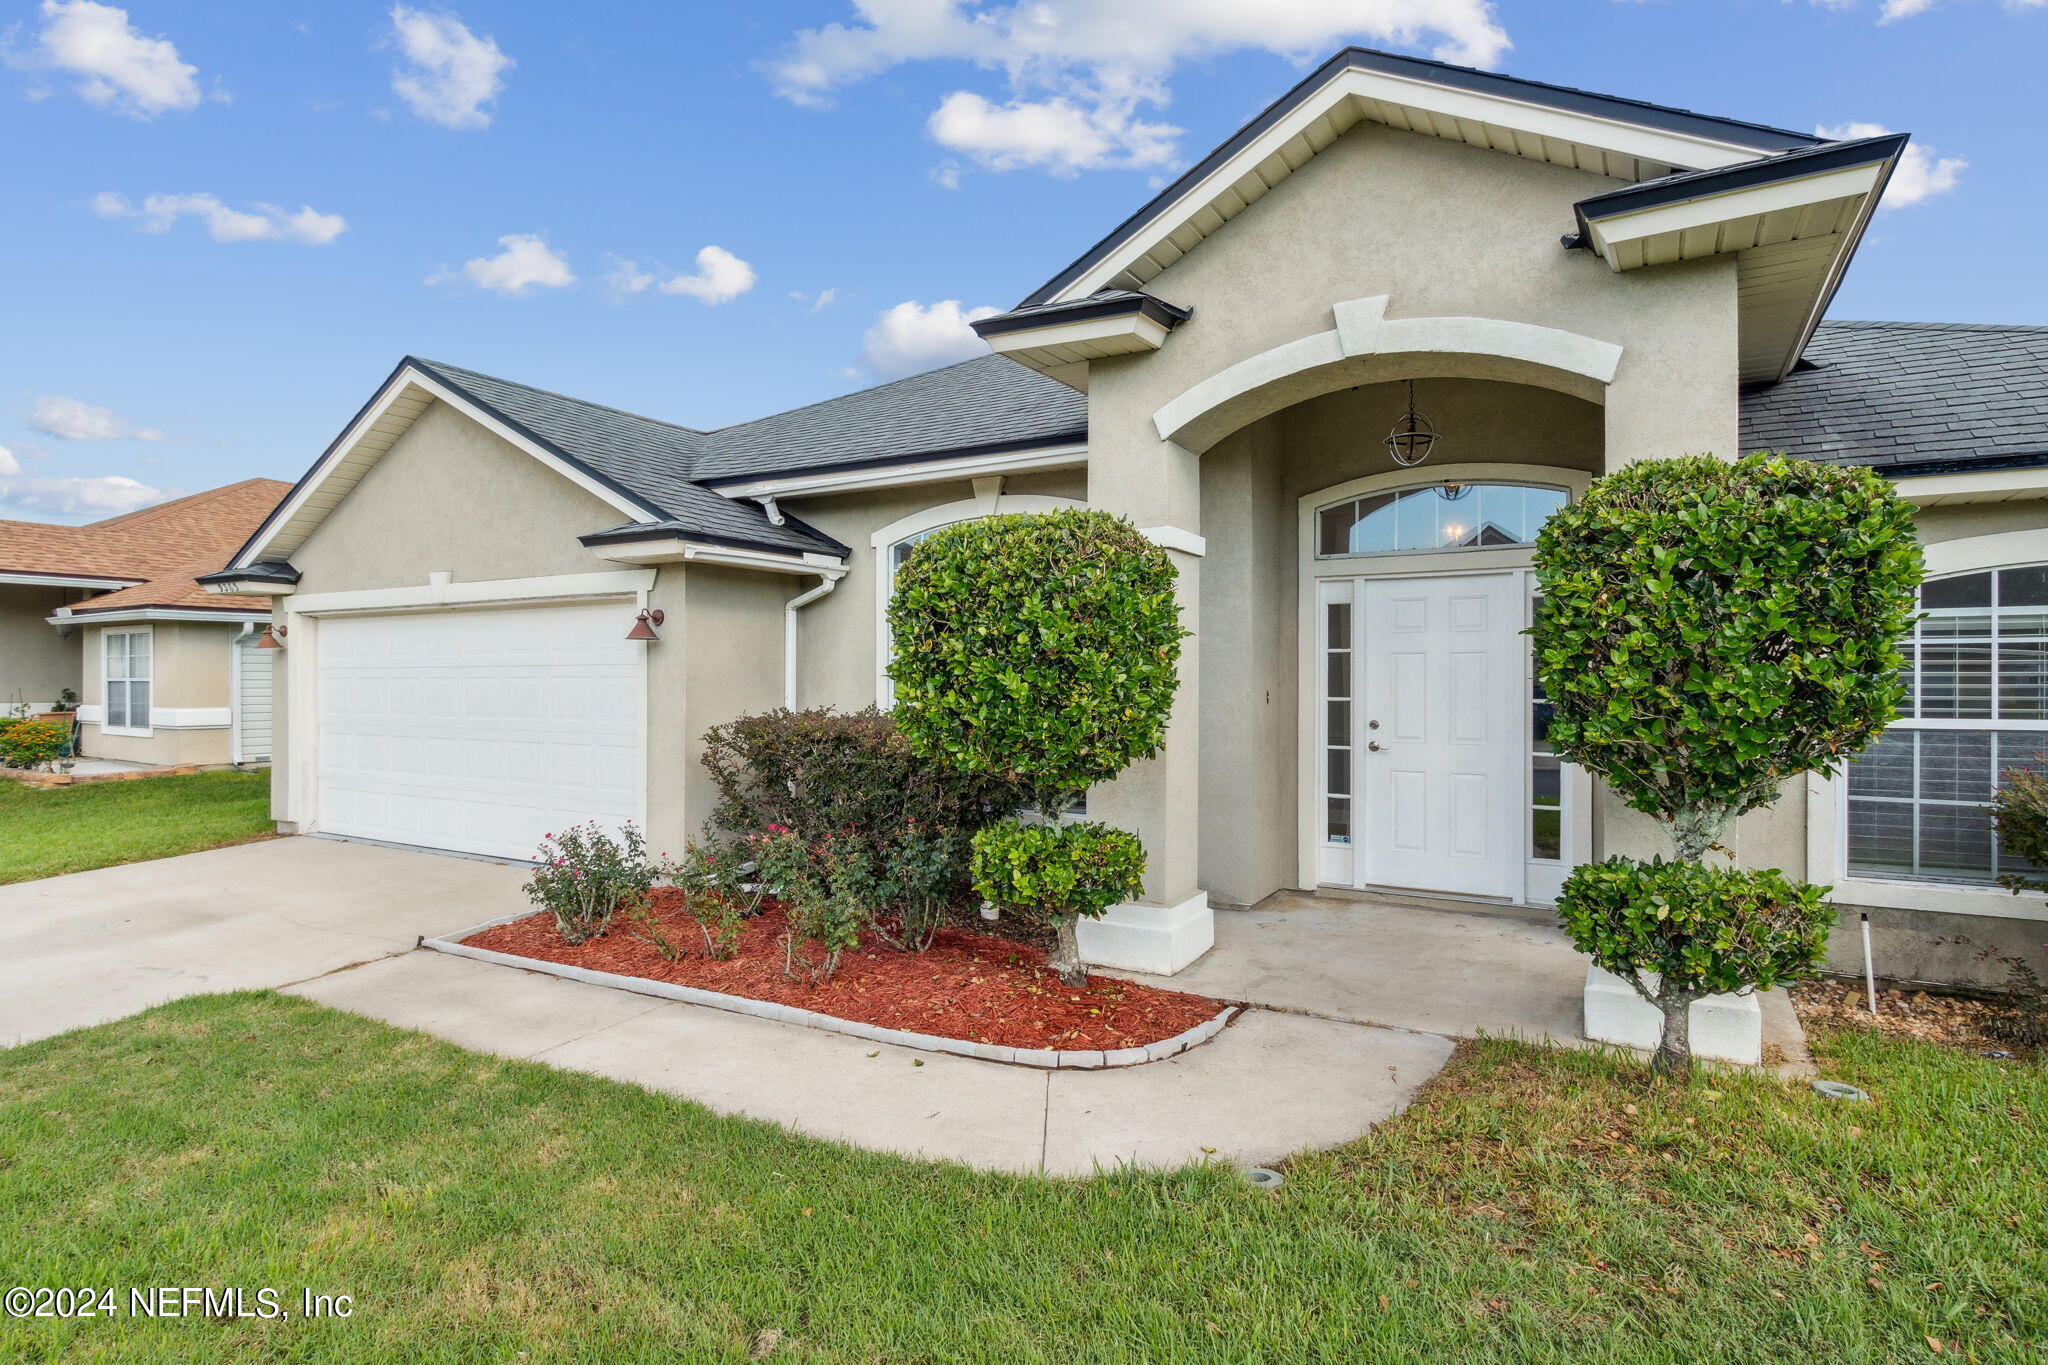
(552, 393)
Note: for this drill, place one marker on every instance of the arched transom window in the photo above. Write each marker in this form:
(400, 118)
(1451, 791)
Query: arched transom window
(1449, 516)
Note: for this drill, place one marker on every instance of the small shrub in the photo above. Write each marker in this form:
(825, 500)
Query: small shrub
(829, 772)
(718, 895)
(921, 877)
(1703, 930)
(33, 743)
(2019, 810)
(826, 892)
(1060, 874)
(585, 877)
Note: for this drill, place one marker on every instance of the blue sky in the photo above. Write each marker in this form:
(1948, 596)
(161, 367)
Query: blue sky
(230, 221)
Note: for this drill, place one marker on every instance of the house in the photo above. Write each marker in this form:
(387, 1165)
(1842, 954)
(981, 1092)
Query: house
(166, 672)
(1554, 282)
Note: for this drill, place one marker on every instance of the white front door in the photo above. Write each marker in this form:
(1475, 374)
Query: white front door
(1425, 714)
(1441, 765)
(478, 731)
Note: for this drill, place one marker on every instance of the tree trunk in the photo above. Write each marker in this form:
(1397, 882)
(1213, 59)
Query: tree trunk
(1674, 1047)
(1066, 954)
(1695, 831)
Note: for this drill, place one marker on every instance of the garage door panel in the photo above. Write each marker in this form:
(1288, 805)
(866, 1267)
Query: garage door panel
(478, 731)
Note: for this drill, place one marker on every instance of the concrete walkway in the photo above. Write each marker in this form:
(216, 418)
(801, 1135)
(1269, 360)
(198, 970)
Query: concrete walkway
(1424, 965)
(337, 923)
(93, 946)
(1269, 1085)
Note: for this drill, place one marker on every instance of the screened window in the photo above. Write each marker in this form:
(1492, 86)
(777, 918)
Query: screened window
(1976, 707)
(1460, 516)
(127, 680)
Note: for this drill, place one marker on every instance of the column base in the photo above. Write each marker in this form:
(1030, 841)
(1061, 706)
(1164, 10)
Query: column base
(1158, 939)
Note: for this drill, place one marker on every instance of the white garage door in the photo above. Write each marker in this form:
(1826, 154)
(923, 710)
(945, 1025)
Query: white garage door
(478, 731)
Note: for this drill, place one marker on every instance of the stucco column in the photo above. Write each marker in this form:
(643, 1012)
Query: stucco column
(1157, 485)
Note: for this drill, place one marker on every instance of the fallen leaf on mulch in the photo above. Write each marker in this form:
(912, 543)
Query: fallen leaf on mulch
(1950, 1020)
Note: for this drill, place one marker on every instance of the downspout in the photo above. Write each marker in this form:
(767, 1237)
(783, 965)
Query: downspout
(828, 582)
(235, 691)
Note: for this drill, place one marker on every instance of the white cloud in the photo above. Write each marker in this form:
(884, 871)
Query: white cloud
(912, 336)
(69, 419)
(1056, 135)
(452, 74)
(527, 262)
(626, 277)
(1891, 11)
(1921, 173)
(1078, 71)
(8, 464)
(720, 278)
(260, 223)
(119, 68)
(824, 298)
(107, 496)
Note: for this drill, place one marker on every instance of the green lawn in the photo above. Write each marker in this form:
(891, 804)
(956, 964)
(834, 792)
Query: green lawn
(98, 824)
(480, 1209)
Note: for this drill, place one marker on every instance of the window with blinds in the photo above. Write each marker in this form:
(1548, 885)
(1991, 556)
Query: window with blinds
(1976, 707)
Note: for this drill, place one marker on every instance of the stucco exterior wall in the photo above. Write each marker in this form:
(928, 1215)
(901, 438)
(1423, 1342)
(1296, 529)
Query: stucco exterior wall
(450, 496)
(36, 663)
(189, 663)
(731, 646)
(836, 633)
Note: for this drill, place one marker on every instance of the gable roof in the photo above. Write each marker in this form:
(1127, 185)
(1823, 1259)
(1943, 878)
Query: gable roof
(156, 552)
(1910, 398)
(1627, 139)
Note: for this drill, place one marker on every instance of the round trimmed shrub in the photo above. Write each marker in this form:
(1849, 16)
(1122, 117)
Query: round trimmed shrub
(1041, 648)
(1702, 930)
(1059, 873)
(1708, 629)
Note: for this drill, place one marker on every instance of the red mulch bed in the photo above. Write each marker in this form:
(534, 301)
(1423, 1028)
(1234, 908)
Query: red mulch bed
(967, 985)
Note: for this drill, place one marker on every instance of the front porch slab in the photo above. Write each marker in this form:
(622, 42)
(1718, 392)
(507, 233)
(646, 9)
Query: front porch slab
(1439, 970)
(1157, 939)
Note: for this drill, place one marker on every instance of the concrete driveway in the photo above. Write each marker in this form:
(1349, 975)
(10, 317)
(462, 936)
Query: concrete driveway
(95, 946)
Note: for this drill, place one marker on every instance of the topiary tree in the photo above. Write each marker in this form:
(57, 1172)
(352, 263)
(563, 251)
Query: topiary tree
(1707, 630)
(1698, 930)
(1042, 649)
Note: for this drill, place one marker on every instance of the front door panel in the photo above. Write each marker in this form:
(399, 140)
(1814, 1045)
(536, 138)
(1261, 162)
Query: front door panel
(1439, 749)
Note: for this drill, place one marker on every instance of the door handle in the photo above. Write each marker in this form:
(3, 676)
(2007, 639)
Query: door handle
(1373, 746)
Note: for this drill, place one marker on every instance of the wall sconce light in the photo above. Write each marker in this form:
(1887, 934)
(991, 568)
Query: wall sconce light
(272, 637)
(644, 624)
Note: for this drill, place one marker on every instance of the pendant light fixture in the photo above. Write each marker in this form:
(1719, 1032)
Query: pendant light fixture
(1410, 440)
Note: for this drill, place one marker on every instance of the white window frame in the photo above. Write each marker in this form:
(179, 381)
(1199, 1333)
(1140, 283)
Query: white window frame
(989, 500)
(1827, 793)
(131, 730)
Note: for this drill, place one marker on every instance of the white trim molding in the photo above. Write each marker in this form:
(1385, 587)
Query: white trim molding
(1366, 346)
(911, 473)
(676, 549)
(989, 500)
(1991, 485)
(252, 587)
(441, 590)
(1175, 538)
(130, 615)
(59, 580)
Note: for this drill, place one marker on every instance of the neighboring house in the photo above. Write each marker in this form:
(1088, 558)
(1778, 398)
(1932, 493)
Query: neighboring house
(166, 672)
(1559, 282)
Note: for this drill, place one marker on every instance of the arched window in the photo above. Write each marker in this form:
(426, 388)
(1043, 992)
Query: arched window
(1446, 516)
(1976, 706)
